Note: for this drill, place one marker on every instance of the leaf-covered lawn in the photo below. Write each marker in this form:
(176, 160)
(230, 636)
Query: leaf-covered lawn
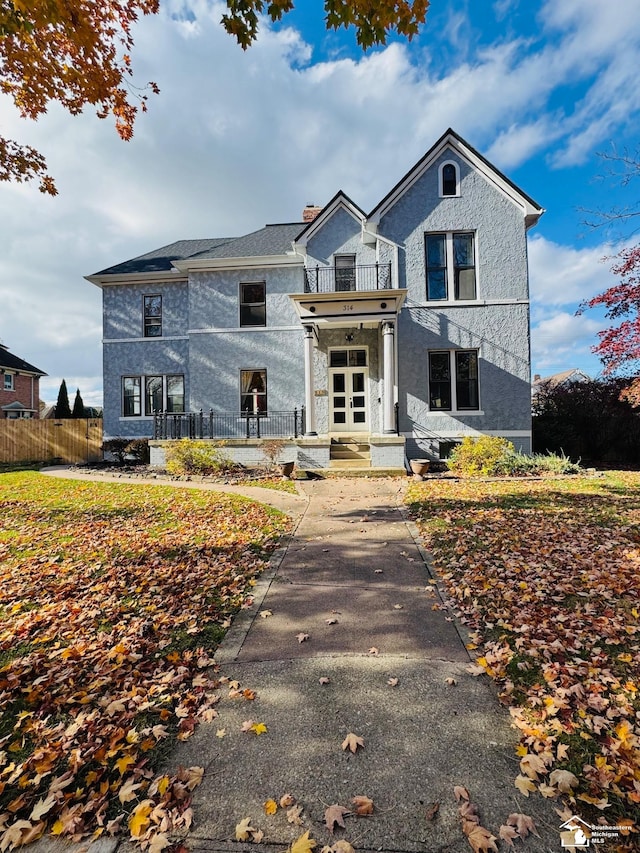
(545, 574)
(112, 600)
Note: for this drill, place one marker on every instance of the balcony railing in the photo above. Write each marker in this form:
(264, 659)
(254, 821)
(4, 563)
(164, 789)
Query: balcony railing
(168, 425)
(344, 279)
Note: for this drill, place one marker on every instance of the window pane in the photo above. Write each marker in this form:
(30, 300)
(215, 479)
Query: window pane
(439, 381)
(338, 358)
(175, 393)
(449, 179)
(467, 380)
(464, 266)
(253, 315)
(357, 358)
(436, 248)
(131, 396)
(357, 383)
(153, 395)
(253, 292)
(338, 383)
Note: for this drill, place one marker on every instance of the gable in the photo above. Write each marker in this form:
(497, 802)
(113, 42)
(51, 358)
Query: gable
(454, 147)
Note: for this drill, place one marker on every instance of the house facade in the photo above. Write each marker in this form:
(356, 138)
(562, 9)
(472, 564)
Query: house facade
(402, 329)
(19, 386)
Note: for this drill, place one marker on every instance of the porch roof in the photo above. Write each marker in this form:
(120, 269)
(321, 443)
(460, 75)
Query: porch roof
(350, 308)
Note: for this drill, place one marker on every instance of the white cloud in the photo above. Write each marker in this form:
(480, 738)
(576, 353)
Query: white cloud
(562, 275)
(564, 341)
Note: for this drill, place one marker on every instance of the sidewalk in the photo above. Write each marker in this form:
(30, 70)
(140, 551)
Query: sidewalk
(354, 580)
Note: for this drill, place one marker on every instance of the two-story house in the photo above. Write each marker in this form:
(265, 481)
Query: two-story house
(402, 329)
(19, 386)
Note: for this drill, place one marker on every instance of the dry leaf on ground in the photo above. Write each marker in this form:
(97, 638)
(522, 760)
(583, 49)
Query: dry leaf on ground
(334, 815)
(352, 742)
(362, 805)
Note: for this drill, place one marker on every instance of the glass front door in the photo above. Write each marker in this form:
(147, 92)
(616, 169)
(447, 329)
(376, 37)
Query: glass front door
(348, 375)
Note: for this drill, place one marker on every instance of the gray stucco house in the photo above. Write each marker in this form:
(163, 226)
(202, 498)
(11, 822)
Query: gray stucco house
(390, 334)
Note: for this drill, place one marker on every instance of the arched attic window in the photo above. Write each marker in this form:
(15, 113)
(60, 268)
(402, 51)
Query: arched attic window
(449, 179)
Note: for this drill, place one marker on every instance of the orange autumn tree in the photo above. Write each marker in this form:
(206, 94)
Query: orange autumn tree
(77, 52)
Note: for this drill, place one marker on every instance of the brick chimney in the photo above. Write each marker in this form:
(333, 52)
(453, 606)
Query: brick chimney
(310, 212)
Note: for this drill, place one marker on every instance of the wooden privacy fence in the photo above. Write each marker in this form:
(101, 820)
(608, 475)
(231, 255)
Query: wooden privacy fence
(65, 441)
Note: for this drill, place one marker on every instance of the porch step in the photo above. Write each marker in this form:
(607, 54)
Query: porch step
(349, 452)
(349, 463)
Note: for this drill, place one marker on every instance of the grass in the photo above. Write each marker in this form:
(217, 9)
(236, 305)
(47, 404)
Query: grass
(113, 599)
(545, 575)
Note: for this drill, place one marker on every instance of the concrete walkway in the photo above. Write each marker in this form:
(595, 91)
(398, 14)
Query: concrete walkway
(354, 580)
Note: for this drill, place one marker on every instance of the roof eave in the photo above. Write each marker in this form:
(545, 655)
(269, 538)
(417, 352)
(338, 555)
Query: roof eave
(251, 262)
(100, 280)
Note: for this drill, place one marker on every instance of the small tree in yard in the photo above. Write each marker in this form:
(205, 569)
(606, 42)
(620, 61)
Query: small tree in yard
(63, 409)
(78, 406)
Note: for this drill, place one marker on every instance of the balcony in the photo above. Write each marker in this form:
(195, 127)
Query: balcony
(361, 278)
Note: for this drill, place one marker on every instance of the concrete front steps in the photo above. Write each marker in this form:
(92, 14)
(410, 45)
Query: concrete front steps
(347, 452)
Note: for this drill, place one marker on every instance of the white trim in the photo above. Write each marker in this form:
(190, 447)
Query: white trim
(144, 340)
(220, 330)
(349, 426)
(461, 433)
(461, 303)
(169, 277)
(256, 262)
(341, 202)
(458, 412)
(456, 166)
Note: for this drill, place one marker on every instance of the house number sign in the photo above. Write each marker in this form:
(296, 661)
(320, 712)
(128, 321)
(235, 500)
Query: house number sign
(347, 307)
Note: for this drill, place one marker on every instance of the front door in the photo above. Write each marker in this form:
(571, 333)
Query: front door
(348, 390)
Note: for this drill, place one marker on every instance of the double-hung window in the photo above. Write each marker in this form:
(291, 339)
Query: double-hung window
(253, 391)
(146, 395)
(453, 381)
(8, 382)
(253, 306)
(152, 316)
(451, 266)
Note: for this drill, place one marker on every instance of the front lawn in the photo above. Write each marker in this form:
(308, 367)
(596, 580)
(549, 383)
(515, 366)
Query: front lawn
(112, 601)
(544, 574)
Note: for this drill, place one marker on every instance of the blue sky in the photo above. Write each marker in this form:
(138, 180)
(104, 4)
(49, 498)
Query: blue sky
(237, 139)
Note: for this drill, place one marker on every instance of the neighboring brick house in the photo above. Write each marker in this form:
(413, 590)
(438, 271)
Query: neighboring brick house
(400, 330)
(19, 386)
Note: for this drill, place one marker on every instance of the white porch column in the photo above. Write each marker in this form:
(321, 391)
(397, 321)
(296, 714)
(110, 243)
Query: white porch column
(309, 390)
(388, 351)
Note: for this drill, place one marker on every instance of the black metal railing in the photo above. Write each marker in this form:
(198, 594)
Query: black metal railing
(170, 425)
(344, 279)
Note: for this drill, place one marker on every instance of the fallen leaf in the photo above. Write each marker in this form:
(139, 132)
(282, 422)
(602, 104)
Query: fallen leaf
(342, 846)
(256, 837)
(524, 785)
(270, 807)
(334, 815)
(373, 651)
(523, 824)
(352, 742)
(432, 810)
(43, 806)
(244, 829)
(461, 793)
(294, 815)
(398, 606)
(507, 833)
(332, 621)
(139, 819)
(450, 681)
(303, 844)
(362, 805)
(482, 841)
(221, 733)
(287, 800)
(264, 614)
(393, 682)
(158, 843)
(258, 728)
(302, 637)
(324, 680)
(564, 780)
